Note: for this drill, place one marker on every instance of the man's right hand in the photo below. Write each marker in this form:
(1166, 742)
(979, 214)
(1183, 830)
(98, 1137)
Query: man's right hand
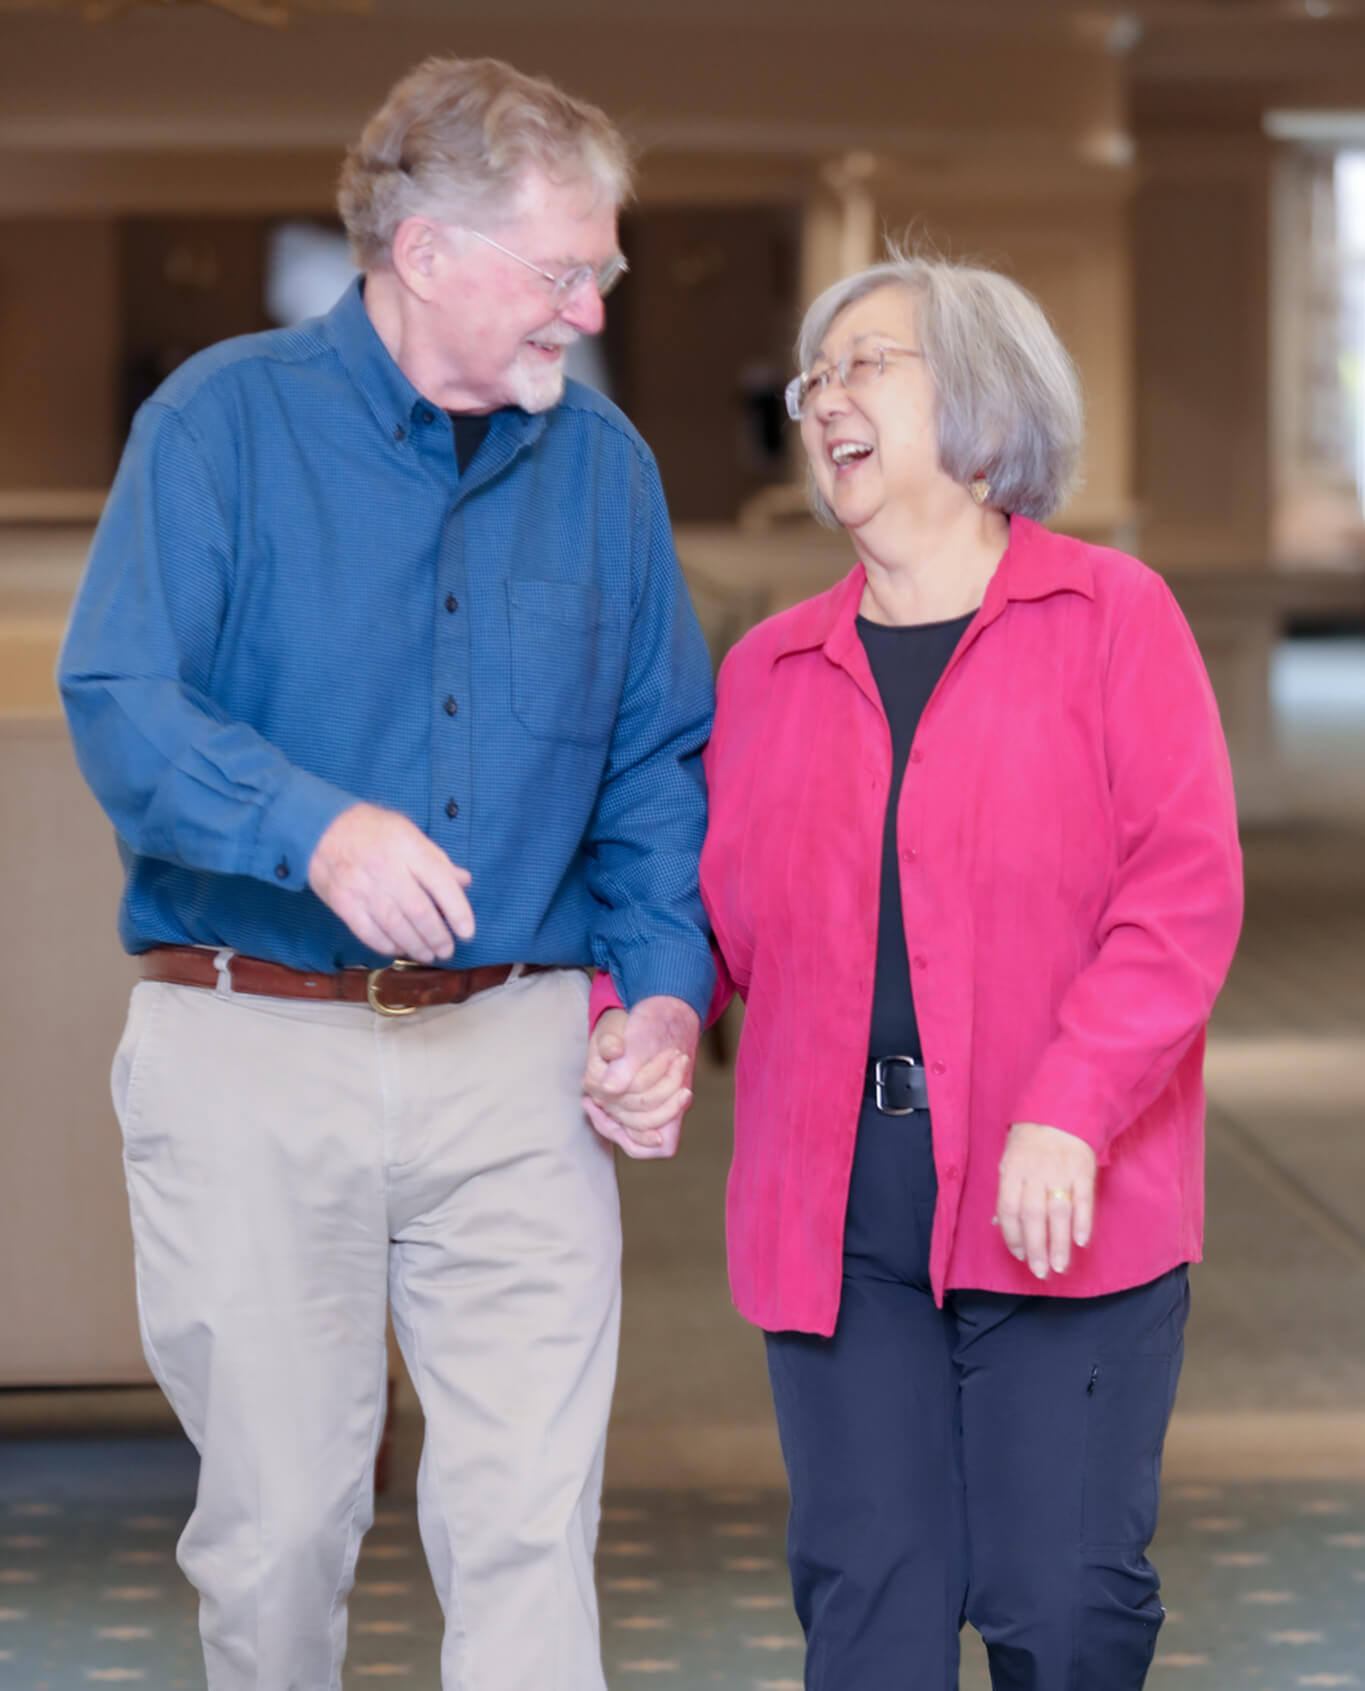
(397, 892)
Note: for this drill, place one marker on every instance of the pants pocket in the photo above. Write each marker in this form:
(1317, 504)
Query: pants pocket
(1129, 1403)
(129, 1067)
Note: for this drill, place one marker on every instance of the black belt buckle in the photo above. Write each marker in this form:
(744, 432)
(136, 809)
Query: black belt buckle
(881, 1087)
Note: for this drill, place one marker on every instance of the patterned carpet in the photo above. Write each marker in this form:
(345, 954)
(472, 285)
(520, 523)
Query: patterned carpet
(1265, 1584)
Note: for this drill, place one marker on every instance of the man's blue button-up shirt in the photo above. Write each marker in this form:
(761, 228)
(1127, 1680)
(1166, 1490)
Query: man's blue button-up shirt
(295, 602)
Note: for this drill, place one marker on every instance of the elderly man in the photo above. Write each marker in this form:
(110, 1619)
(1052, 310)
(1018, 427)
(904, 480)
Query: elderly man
(384, 671)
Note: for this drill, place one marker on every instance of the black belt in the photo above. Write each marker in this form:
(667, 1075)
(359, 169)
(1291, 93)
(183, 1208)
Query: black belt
(897, 1085)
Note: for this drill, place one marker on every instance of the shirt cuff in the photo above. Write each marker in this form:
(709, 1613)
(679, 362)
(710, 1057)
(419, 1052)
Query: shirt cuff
(302, 811)
(652, 969)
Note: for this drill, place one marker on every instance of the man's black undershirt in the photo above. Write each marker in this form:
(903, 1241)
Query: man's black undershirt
(906, 665)
(470, 427)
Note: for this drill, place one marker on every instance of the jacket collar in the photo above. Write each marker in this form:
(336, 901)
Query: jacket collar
(1036, 564)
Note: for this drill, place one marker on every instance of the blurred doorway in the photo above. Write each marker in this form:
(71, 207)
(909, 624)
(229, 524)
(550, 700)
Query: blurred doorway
(699, 343)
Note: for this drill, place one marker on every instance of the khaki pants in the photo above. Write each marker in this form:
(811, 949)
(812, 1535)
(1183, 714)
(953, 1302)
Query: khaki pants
(292, 1169)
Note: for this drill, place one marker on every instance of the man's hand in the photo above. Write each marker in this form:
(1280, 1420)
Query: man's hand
(397, 892)
(1047, 1196)
(638, 1080)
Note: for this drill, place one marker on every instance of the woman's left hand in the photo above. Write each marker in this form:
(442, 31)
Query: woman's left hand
(1046, 1200)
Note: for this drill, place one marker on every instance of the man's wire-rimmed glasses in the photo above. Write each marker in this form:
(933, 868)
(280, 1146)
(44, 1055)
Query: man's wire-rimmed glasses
(854, 370)
(567, 282)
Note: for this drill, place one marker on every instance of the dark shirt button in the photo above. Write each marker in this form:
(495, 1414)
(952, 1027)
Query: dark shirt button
(282, 869)
(427, 416)
(452, 603)
(399, 432)
(452, 809)
(451, 706)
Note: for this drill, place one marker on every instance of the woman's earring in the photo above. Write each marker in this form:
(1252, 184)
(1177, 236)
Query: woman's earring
(980, 489)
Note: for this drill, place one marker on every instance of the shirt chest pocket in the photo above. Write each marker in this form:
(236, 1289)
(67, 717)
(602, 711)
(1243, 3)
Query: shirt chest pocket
(568, 659)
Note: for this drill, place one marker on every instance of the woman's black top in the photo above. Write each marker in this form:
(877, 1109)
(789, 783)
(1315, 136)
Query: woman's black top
(906, 664)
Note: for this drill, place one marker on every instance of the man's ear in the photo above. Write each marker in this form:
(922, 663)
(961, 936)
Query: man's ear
(417, 255)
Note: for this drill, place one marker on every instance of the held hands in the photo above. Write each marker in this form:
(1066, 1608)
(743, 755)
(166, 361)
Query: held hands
(395, 890)
(638, 1081)
(1046, 1201)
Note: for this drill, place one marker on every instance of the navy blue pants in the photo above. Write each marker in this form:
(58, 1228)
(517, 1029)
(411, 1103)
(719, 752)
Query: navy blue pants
(996, 1461)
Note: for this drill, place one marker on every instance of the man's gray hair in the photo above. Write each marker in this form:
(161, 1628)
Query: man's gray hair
(454, 140)
(1008, 396)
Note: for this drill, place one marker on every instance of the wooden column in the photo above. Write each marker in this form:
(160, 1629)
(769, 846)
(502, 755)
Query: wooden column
(1201, 260)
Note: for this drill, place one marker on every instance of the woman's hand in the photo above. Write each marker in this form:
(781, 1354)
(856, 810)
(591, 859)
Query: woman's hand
(1047, 1196)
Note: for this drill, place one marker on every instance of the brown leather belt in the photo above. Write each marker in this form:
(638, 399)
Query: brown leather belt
(395, 990)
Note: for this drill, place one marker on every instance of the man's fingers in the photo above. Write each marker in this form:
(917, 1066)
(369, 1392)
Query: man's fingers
(427, 922)
(668, 1109)
(609, 1129)
(623, 1080)
(650, 1075)
(370, 934)
(408, 939)
(655, 1145)
(643, 1094)
(438, 879)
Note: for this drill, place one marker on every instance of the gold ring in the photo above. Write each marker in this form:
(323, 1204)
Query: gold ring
(1058, 1192)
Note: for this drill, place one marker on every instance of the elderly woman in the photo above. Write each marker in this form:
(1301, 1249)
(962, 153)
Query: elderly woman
(973, 867)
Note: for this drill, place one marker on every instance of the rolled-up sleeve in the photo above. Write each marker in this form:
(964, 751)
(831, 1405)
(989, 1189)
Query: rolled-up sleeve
(645, 840)
(180, 781)
(1170, 926)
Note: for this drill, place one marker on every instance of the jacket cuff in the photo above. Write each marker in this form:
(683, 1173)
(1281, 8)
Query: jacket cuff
(1067, 1093)
(602, 997)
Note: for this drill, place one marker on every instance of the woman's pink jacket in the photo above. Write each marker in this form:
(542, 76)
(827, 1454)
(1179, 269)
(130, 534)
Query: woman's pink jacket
(1071, 884)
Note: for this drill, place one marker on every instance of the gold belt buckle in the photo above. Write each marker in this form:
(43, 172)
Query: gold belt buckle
(372, 981)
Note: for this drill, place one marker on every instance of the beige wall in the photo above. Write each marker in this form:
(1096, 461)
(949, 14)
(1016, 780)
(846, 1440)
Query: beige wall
(58, 309)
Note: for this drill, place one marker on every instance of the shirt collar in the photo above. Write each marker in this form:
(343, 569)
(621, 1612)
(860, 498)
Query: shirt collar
(394, 401)
(1036, 564)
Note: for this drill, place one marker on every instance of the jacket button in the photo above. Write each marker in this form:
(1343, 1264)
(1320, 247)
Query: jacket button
(909, 855)
(916, 755)
(921, 961)
(451, 706)
(452, 809)
(940, 1068)
(951, 1171)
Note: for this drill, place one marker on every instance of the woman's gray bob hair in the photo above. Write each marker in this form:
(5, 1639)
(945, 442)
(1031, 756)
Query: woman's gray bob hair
(1009, 399)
